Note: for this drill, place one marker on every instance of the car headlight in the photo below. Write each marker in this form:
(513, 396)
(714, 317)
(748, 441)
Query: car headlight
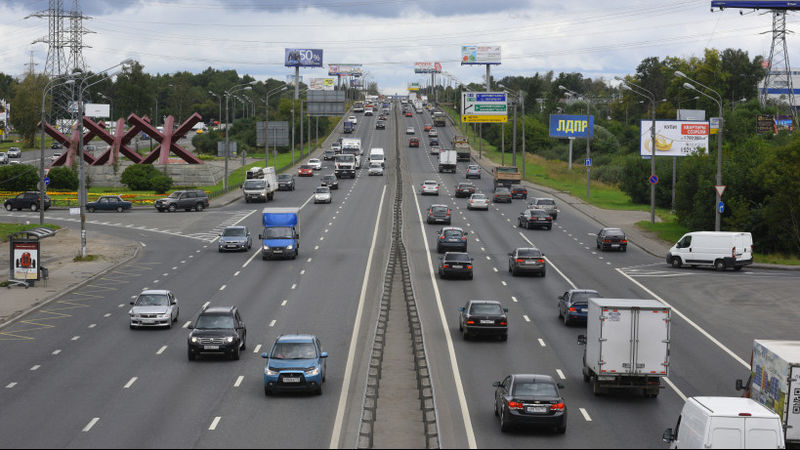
(270, 373)
(289, 247)
(229, 339)
(312, 372)
(266, 247)
(163, 316)
(194, 340)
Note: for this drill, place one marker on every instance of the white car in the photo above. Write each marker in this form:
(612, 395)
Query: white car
(353, 119)
(410, 130)
(435, 150)
(322, 194)
(429, 187)
(14, 152)
(478, 201)
(55, 156)
(336, 147)
(3, 158)
(315, 163)
(154, 308)
(433, 133)
(375, 168)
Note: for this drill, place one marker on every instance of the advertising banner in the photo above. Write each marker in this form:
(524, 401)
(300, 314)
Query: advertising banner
(427, 67)
(97, 110)
(26, 260)
(303, 57)
(565, 126)
(691, 114)
(477, 54)
(484, 107)
(784, 123)
(674, 137)
(322, 84)
(413, 87)
(345, 70)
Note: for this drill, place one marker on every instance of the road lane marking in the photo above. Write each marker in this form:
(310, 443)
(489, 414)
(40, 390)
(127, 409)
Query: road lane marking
(337, 425)
(688, 320)
(92, 325)
(155, 281)
(561, 374)
(257, 349)
(107, 315)
(75, 338)
(504, 283)
(462, 400)
(91, 423)
(675, 388)
(238, 381)
(527, 319)
(585, 415)
(223, 287)
(205, 305)
(161, 350)
(541, 342)
(294, 286)
(164, 274)
(174, 268)
(11, 385)
(272, 324)
(142, 244)
(56, 352)
(186, 325)
(309, 259)
(551, 263)
(255, 253)
(302, 272)
(214, 423)
(35, 368)
(130, 383)
(237, 273)
(316, 247)
(495, 269)
(514, 299)
(488, 258)
(283, 303)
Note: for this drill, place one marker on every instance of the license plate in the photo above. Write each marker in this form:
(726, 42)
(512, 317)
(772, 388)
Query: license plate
(231, 246)
(487, 322)
(536, 409)
(614, 245)
(530, 262)
(277, 251)
(291, 380)
(458, 267)
(148, 321)
(211, 347)
(583, 310)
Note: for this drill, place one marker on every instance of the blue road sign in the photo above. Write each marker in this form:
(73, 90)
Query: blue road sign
(721, 207)
(47, 181)
(587, 162)
(654, 179)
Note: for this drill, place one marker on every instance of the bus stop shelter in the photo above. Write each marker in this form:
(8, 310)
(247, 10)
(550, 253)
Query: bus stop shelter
(25, 257)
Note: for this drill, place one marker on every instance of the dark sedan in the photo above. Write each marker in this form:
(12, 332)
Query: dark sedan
(380, 125)
(573, 305)
(535, 218)
(328, 155)
(331, 181)
(502, 194)
(109, 203)
(434, 142)
(454, 264)
(285, 182)
(530, 400)
(439, 214)
(524, 260)
(612, 238)
(519, 192)
(464, 190)
(483, 318)
(451, 238)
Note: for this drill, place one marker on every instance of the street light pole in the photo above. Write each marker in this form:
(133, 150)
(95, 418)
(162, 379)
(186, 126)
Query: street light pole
(42, 187)
(642, 92)
(588, 140)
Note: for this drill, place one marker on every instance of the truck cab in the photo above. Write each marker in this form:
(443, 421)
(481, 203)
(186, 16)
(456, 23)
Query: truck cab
(280, 237)
(349, 127)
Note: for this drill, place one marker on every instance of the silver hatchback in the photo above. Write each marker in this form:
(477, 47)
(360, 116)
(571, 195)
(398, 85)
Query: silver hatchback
(478, 201)
(154, 308)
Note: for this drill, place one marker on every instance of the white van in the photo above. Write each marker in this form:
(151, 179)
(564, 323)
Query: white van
(377, 155)
(725, 422)
(260, 185)
(721, 249)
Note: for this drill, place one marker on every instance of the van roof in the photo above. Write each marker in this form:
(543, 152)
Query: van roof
(734, 406)
(718, 233)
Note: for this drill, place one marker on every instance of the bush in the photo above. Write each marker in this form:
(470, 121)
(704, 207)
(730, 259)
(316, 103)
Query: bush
(63, 178)
(145, 177)
(18, 177)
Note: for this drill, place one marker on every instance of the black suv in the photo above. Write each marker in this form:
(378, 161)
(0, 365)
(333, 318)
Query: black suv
(380, 125)
(218, 330)
(285, 182)
(26, 200)
(186, 200)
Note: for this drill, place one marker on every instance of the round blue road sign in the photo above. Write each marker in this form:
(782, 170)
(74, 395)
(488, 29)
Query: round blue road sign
(654, 179)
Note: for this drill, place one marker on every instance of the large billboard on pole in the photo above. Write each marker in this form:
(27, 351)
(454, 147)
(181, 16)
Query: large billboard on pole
(303, 57)
(345, 70)
(566, 126)
(427, 67)
(413, 87)
(674, 137)
(480, 54)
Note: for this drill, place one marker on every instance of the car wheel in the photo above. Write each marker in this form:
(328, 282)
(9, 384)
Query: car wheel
(514, 272)
(172, 208)
(624, 248)
(562, 429)
(91, 210)
(191, 355)
(676, 262)
(34, 207)
(318, 391)
(719, 265)
(504, 337)
(119, 209)
(199, 207)
(244, 342)
(597, 245)
(465, 334)
(267, 391)
(471, 276)
(737, 268)
(566, 320)
(236, 354)
(9, 207)
(542, 273)
(504, 425)
(496, 413)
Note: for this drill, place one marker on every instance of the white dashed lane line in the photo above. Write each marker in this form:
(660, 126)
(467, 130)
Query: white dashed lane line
(514, 299)
(214, 423)
(130, 383)
(107, 315)
(35, 368)
(283, 303)
(561, 374)
(527, 319)
(91, 424)
(238, 381)
(75, 338)
(272, 324)
(161, 350)
(257, 348)
(56, 352)
(186, 325)
(585, 415)
(541, 342)
(11, 385)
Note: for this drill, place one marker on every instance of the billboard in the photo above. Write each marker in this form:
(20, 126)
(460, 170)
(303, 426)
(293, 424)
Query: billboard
(345, 70)
(480, 54)
(302, 57)
(756, 4)
(784, 123)
(565, 126)
(674, 137)
(97, 110)
(691, 114)
(277, 132)
(413, 87)
(427, 67)
(322, 84)
(484, 107)
(325, 102)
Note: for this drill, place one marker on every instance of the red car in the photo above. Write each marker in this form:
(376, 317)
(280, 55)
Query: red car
(408, 114)
(413, 142)
(305, 171)
(428, 127)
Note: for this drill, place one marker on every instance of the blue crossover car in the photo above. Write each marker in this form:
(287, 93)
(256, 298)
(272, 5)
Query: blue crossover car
(295, 362)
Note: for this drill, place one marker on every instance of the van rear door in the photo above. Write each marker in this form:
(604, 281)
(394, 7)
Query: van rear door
(762, 433)
(726, 432)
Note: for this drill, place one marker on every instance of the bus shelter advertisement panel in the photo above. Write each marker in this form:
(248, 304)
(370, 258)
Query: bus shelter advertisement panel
(674, 137)
(303, 57)
(476, 54)
(26, 260)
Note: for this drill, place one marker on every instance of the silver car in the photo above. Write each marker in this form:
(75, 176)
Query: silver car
(322, 194)
(235, 238)
(546, 204)
(429, 187)
(410, 130)
(375, 168)
(478, 201)
(154, 308)
(14, 152)
(3, 158)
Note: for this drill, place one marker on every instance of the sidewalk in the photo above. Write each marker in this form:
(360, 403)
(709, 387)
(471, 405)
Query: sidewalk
(646, 240)
(65, 274)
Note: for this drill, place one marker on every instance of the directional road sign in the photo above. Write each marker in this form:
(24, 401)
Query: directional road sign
(484, 107)
(721, 207)
(720, 190)
(587, 162)
(47, 181)
(654, 179)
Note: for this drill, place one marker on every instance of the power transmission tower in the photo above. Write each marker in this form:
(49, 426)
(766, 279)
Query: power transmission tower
(75, 38)
(56, 63)
(779, 71)
(31, 66)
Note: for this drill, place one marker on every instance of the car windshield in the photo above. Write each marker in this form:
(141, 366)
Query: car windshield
(327, 178)
(583, 297)
(175, 195)
(323, 190)
(439, 209)
(255, 184)
(293, 350)
(375, 165)
(313, 161)
(465, 186)
(479, 197)
(452, 233)
(545, 202)
(486, 308)
(529, 253)
(458, 257)
(214, 322)
(278, 233)
(535, 389)
(285, 177)
(152, 300)
(539, 212)
(501, 191)
(234, 232)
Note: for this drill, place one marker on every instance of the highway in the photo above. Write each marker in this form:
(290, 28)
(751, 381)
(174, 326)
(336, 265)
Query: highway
(75, 375)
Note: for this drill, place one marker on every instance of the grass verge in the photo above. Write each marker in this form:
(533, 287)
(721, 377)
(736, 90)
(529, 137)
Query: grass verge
(7, 229)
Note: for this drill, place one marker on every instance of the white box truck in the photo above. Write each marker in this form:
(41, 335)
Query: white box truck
(775, 383)
(260, 185)
(626, 345)
(725, 422)
(376, 155)
(721, 249)
(448, 161)
(352, 146)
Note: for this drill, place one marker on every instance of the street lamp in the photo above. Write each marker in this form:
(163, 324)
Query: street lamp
(42, 188)
(638, 90)
(228, 94)
(219, 97)
(588, 138)
(266, 126)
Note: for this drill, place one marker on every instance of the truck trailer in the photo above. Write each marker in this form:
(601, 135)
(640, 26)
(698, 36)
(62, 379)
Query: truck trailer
(448, 161)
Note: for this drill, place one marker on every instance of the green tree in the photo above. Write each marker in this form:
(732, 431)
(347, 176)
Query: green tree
(138, 177)
(26, 107)
(133, 92)
(18, 177)
(63, 178)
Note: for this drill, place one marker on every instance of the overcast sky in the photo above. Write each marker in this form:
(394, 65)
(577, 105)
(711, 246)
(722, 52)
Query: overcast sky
(595, 37)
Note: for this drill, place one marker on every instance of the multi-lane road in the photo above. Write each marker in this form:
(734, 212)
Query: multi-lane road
(74, 374)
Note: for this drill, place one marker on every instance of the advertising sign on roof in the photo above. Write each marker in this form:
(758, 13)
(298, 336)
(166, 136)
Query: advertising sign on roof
(477, 54)
(303, 57)
(427, 67)
(413, 87)
(674, 137)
